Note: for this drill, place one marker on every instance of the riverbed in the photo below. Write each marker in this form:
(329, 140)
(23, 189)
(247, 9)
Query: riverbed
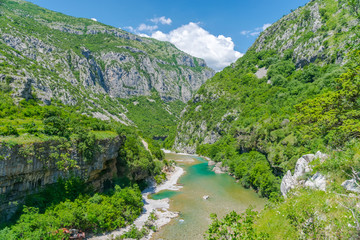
(198, 181)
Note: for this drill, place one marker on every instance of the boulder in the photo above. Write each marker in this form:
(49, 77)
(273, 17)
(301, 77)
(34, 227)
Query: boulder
(288, 182)
(206, 197)
(351, 185)
(318, 181)
(211, 163)
(219, 169)
(302, 167)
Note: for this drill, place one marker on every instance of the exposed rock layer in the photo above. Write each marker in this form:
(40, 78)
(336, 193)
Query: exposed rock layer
(24, 169)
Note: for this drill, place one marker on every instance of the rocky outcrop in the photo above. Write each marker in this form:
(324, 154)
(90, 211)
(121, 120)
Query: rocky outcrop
(24, 169)
(219, 168)
(308, 22)
(261, 72)
(317, 181)
(351, 185)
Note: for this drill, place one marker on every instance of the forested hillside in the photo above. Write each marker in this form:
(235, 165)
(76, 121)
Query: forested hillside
(268, 101)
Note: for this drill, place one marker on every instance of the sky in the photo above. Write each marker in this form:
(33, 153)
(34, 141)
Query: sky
(218, 31)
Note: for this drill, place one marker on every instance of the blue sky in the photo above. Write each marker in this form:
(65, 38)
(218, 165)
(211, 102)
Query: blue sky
(201, 28)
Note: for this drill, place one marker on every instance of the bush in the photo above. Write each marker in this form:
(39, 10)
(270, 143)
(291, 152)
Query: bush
(8, 131)
(56, 126)
(234, 226)
(31, 128)
(96, 214)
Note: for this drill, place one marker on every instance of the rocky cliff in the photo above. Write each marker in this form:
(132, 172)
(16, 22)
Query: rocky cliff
(51, 56)
(24, 169)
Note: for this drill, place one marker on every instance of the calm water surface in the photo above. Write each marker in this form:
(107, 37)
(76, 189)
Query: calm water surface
(225, 195)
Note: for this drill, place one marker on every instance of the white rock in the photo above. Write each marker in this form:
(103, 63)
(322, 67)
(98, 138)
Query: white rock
(261, 72)
(321, 156)
(302, 167)
(211, 163)
(351, 185)
(318, 181)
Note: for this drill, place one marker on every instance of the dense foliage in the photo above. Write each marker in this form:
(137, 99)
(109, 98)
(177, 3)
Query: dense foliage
(70, 203)
(159, 118)
(234, 226)
(96, 213)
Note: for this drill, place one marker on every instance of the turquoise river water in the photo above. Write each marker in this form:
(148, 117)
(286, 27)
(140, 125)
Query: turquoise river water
(225, 195)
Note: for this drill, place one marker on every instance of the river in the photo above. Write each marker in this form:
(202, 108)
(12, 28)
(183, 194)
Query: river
(224, 193)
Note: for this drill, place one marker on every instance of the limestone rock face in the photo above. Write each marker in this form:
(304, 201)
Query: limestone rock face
(24, 169)
(351, 185)
(288, 182)
(318, 181)
(107, 63)
(285, 34)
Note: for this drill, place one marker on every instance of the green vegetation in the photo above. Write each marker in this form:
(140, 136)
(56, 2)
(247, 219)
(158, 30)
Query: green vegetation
(234, 226)
(96, 213)
(297, 108)
(71, 203)
(307, 215)
(160, 117)
(304, 110)
(63, 40)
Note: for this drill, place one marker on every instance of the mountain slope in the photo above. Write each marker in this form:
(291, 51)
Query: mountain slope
(252, 104)
(85, 63)
(293, 54)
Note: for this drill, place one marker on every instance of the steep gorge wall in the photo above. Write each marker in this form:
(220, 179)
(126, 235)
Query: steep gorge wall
(24, 169)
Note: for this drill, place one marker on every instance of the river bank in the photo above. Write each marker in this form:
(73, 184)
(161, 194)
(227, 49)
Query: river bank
(159, 207)
(204, 192)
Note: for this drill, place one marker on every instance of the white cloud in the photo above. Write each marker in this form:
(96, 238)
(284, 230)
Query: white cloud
(162, 20)
(144, 27)
(94, 19)
(265, 26)
(218, 51)
(255, 31)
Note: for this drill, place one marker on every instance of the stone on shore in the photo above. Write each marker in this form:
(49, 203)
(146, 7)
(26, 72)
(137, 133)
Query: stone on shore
(219, 169)
(211, 163)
